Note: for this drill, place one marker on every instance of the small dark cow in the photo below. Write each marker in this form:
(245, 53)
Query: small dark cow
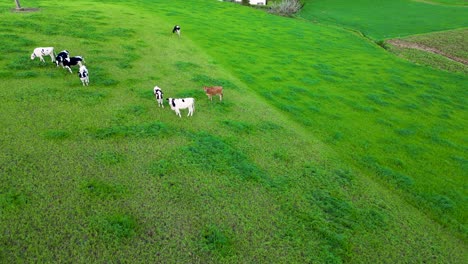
(73, 61)
(214, 90)
(182, 103)
(176, 29)
(84, 75)
(61, 57)
(159, 96)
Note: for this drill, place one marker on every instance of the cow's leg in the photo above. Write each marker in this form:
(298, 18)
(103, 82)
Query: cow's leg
(178, 112)
(69, 69)
(190, 111)
(41, 58)
(220, 97)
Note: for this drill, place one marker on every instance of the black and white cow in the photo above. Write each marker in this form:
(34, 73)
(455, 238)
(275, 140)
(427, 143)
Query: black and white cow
(43, 51)
(61, 57)
(159, 96)
(182, 103)
(176, 29)
(84, 75)
(73, 61)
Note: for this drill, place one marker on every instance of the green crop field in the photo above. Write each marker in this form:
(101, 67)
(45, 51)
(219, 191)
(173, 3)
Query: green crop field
(325, 149)
(382, 19)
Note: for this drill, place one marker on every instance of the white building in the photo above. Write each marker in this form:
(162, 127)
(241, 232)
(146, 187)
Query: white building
(255, 2)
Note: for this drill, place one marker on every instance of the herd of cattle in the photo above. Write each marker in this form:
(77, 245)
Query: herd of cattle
(186, 103)
(63, 59)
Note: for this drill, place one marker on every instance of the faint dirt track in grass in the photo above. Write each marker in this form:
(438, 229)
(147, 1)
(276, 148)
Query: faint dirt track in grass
(412, 45)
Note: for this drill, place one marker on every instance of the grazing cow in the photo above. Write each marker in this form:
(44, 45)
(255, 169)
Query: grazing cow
(159, 96)
(61, 57)
(43, 51)
(176, 29)
(182, 103)
(73, 61)
(214, 90)
(84, 75)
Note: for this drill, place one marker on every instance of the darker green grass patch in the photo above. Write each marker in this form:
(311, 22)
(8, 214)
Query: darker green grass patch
(269, 126)
(406, 131)
(114, 227)
(142, 130)
(159, 168)
(214, 154)
(338, 211)
(120, 32)
(377, 99)
(194, 93)
(374, 218)
(56, 134)
(110, 157)
(238, 126)
(205, 80)
(101, 77)
(25, 63)
(12, 199)
(143, 94)
(100, 189)
(136, 110)
(216, 240)
(127, 61)
(26, 74)
(15, 44)
(442, 203)
(87, 97)
(185, 66)
(6, 74)
(390, 175)
(343, 176)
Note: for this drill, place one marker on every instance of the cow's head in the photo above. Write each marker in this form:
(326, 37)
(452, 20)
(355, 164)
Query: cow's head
(33, 55)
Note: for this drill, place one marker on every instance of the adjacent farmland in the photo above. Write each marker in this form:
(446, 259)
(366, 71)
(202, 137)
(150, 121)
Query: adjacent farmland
(326, 148)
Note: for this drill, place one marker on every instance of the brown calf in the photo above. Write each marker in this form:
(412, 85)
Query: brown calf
(214, 90)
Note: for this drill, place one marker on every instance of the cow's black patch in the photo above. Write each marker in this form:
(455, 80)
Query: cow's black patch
(173, 103)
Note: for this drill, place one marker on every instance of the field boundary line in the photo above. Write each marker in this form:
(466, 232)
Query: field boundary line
(412, 45)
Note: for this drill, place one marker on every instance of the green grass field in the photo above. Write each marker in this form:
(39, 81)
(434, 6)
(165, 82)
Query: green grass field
(381, 19)
(326, 149)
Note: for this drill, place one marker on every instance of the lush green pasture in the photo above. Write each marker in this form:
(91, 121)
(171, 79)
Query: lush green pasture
(382, 19)
(404, 123)
(325, 149)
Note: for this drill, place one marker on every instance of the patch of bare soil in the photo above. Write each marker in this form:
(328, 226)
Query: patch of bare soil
(25, 9)
(412, 45)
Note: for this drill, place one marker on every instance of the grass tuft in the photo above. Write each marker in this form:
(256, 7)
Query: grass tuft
(56, 134)
(114, 227)
(12, 199)
(110, 158)
(213, 154)
(142, 130)
(100, 189)
(216, 240)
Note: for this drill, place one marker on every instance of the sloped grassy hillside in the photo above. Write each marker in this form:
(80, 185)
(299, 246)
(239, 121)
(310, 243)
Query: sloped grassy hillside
(100, 174)
(402, 123)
